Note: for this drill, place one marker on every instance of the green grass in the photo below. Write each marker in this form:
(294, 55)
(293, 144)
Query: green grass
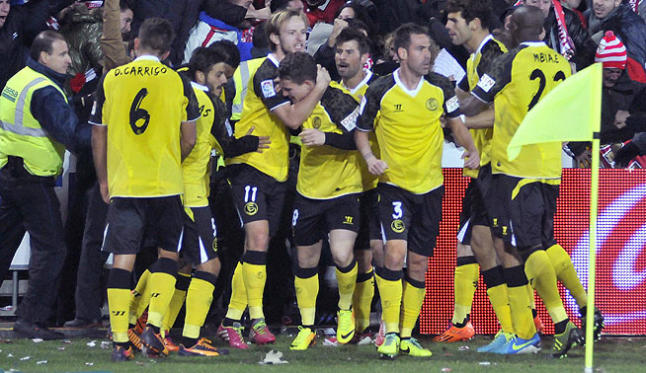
(611, 355)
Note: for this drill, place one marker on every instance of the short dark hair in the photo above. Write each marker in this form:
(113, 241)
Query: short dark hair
(44, 42)
(156, 34)
(350, 34)
(298, 67)
(124, 5)
(203, 60)
(229, 50)
(401, 36)
(472, 9)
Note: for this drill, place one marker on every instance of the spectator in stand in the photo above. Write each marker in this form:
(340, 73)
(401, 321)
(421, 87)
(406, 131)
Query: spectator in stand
(322, 10)
(580, 51)
(612, 15)
(633, 149)
(278, 5)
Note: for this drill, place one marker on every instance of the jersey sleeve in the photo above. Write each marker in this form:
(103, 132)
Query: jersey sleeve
(489, 53)
(265, 87)
(495, 78)
(464, 84)
(96, 115)
(371, 101)
(342, 109)
(192, 108)
(451, 103)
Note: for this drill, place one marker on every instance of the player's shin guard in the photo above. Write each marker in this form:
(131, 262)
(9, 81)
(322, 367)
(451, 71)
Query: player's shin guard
(162, 286)
(499, 297)
(413, 297)
(362, 299)
(119, 298)
(519, 303)
(238, 301)
(177, 301)
(141, 297)
(566, 273)
(347, 280)
(540, 274)
(198, 302)
(389, 284)
(254, 273)
(306, 282)
(467, 274)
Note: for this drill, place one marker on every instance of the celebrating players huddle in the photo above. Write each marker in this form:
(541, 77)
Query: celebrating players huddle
(369, 181)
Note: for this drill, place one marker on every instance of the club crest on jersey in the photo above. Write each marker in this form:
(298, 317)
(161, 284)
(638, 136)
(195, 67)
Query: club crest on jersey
(251, 208)
(397, 226)
(431, 104)
(267, 88)
(316, 122)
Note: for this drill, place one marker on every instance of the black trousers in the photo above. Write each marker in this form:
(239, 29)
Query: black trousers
(30, 204)
(90, 287)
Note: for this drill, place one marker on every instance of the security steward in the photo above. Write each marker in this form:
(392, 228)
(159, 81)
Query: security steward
(36, 125)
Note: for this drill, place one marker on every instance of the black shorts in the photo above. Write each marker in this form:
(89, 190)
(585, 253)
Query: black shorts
(464, 229)
(257, 196)
(411, 217)
(199, 243)
(551, 194)
(313, 219)
(370, 229)
(161, 219)
(519, 211)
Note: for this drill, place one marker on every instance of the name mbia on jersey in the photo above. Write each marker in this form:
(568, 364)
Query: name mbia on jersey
(545, 57)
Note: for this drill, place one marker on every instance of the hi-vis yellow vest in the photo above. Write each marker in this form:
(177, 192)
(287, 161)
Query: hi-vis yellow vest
(241, 82)
(20, 133)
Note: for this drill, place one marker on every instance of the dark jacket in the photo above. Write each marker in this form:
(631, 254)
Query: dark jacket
(585, 48)
(56, 116)
(82, 30)
(22, 25)
(631, 30)
(183, 15)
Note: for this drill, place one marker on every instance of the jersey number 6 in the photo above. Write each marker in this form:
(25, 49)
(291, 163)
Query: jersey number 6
(538, 74)
(137, 113)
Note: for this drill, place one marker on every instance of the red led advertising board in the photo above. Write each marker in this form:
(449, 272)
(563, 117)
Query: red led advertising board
(621, 252)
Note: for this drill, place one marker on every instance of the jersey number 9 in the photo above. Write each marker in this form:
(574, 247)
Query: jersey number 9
(137, 113)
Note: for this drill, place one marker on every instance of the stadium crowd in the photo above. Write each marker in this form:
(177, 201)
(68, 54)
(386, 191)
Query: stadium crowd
(226, 150)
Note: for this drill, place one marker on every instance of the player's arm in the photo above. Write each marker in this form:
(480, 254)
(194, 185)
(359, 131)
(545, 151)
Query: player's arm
(230, 145)
(464, 138)
(484, 119)
(343, 110)
(100, 142)
(293, 115)
(188, 138)
(496, 77)
(188, 132)
(367, 113)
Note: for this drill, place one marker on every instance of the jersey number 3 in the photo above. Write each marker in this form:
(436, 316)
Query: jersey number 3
(137, 114)
(538, 74)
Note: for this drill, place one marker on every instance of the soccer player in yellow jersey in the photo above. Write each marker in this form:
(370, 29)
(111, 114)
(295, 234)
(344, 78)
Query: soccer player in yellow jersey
(352, 52)
(468, 23)
(144, 120)
(404, 109)
(258, 179)
(327, 201)
(519, 192)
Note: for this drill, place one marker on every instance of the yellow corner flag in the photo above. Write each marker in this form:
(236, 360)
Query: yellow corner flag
(570, 112)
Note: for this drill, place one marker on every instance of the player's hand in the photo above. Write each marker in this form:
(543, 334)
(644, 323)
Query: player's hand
(105, 194)
(376, 166)
(473, 160)
(322, 77)
(312, 137)
(263, 141)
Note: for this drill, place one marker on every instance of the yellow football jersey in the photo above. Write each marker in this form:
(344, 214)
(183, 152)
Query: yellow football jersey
(326, 171)
(196, 168)
(515, 83)
(143, 104)
(369, 180)
(477, 64)
(407, 125)
(257, 112)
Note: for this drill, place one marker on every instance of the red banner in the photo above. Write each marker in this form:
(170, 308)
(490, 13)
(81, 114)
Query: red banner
(621, 252)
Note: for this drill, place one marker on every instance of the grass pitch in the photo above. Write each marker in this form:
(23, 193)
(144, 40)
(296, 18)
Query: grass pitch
(81, 355)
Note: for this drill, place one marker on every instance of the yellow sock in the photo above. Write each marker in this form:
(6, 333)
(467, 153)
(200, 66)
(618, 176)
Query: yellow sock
(306, 283)
(346, 278)
(499, 298)
(390, 291)
(540, 274)
(238, 301)
(177, 301)
(362, 300)
(532, 296)
(198, 302)
(413, 298)
(119, 306)
(162, 287)
(255, 276)
(566, 273)
(465, 282)
(141, 298)
(519, 303)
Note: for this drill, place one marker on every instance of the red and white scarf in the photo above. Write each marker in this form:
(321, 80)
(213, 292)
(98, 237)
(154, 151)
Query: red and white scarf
(565, 41)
